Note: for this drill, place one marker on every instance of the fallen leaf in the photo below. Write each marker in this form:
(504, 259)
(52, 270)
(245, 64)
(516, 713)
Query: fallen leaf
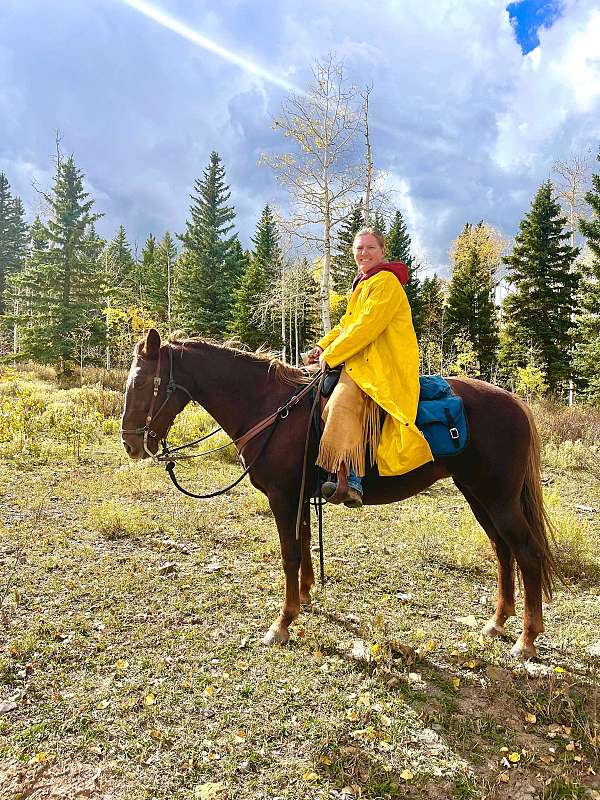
(558, 669)
(240, 736)
(375, 650)
(514, 758)
(103, 704)
(531, 718)
(209, 691)
(40, 758)
(309, 776)
(406, 775)
(456, 682)
(352, 716)
(155, 734)
(504, 777)
(209, 791)
(570, 746)
(150, 699)
(325, 760)
(469, 621)
(121, 664)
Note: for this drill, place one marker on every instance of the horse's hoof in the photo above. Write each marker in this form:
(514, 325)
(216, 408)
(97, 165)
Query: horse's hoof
(491, 628)
(523, 651)
(276, 635)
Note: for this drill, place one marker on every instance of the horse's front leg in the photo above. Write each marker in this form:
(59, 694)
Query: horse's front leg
(284, 510)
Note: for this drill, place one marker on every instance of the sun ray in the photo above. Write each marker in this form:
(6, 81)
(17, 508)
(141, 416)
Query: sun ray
(167, 21)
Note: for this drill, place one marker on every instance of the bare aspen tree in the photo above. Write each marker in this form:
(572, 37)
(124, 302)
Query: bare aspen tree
(571, 186)
(323, 173)
(368, 157)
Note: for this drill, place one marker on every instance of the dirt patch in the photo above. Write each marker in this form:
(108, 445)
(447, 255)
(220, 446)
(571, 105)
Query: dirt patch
(58, 781)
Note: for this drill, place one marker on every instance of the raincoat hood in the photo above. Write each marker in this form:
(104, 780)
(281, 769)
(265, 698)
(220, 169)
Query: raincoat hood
(397, 268)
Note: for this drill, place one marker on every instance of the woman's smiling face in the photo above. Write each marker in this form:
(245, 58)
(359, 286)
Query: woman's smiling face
(367, 251)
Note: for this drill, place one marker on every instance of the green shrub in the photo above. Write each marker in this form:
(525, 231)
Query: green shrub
(73, 424)
(21, 425)
(106, 402)
(571, 455)
(116, 521)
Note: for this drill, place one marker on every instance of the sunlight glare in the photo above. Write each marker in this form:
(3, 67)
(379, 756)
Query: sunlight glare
(167, 21)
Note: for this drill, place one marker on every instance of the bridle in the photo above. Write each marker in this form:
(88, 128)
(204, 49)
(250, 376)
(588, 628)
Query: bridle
(147, 430)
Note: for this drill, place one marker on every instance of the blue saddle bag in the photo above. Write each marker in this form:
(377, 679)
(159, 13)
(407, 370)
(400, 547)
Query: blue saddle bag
(441, 417)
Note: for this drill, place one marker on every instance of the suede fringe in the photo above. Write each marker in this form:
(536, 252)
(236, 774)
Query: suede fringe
(352, 429)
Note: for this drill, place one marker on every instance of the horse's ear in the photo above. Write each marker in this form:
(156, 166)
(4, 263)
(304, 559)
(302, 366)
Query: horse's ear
(151, 345)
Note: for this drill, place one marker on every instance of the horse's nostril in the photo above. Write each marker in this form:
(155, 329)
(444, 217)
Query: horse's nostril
(126, 446)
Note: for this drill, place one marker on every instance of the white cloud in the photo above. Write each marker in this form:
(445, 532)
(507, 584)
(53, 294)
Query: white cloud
(556, 93)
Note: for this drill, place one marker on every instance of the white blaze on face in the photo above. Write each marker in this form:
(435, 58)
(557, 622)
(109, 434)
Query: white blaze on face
(133, 374)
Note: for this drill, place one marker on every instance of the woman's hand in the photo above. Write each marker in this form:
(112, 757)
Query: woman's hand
(314, 354)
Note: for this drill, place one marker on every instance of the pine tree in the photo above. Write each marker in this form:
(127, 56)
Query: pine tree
(255, 321)
(150, 280)
(587, 351)
(13, 239)
(62, 280)
(343, 264)
(123, 276)
(378, 222)
(539, 311)
(471, 315)
(398, 248)
(210, 270)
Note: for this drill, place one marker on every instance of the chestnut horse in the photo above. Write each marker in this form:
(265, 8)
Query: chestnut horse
(498, 473)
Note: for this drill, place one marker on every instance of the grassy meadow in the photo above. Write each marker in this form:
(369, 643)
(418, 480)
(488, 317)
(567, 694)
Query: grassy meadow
(131, 617)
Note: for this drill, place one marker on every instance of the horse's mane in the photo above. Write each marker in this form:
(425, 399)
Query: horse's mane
(285, 373)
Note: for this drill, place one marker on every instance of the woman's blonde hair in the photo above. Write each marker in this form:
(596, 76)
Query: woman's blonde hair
(373, 232)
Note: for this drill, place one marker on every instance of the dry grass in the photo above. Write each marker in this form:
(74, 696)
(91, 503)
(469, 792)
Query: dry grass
(558, 424)
(131, 625)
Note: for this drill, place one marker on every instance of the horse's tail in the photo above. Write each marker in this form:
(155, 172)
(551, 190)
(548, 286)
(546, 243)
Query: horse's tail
(532, 503)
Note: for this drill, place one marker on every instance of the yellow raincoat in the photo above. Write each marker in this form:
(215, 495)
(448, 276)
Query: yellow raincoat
(376, 340)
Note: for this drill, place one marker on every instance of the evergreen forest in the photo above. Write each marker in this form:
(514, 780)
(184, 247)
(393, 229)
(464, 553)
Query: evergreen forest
(524, 316)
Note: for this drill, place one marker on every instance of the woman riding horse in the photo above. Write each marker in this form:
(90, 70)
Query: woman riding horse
(376, 342)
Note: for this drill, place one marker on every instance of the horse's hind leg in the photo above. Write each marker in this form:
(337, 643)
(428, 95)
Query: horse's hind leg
(307, 576)
(513, 527)
(505, 600)
(285, 517)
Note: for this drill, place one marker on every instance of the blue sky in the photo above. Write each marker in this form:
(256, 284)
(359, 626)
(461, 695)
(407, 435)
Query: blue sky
(472, 118)
(528, 16)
